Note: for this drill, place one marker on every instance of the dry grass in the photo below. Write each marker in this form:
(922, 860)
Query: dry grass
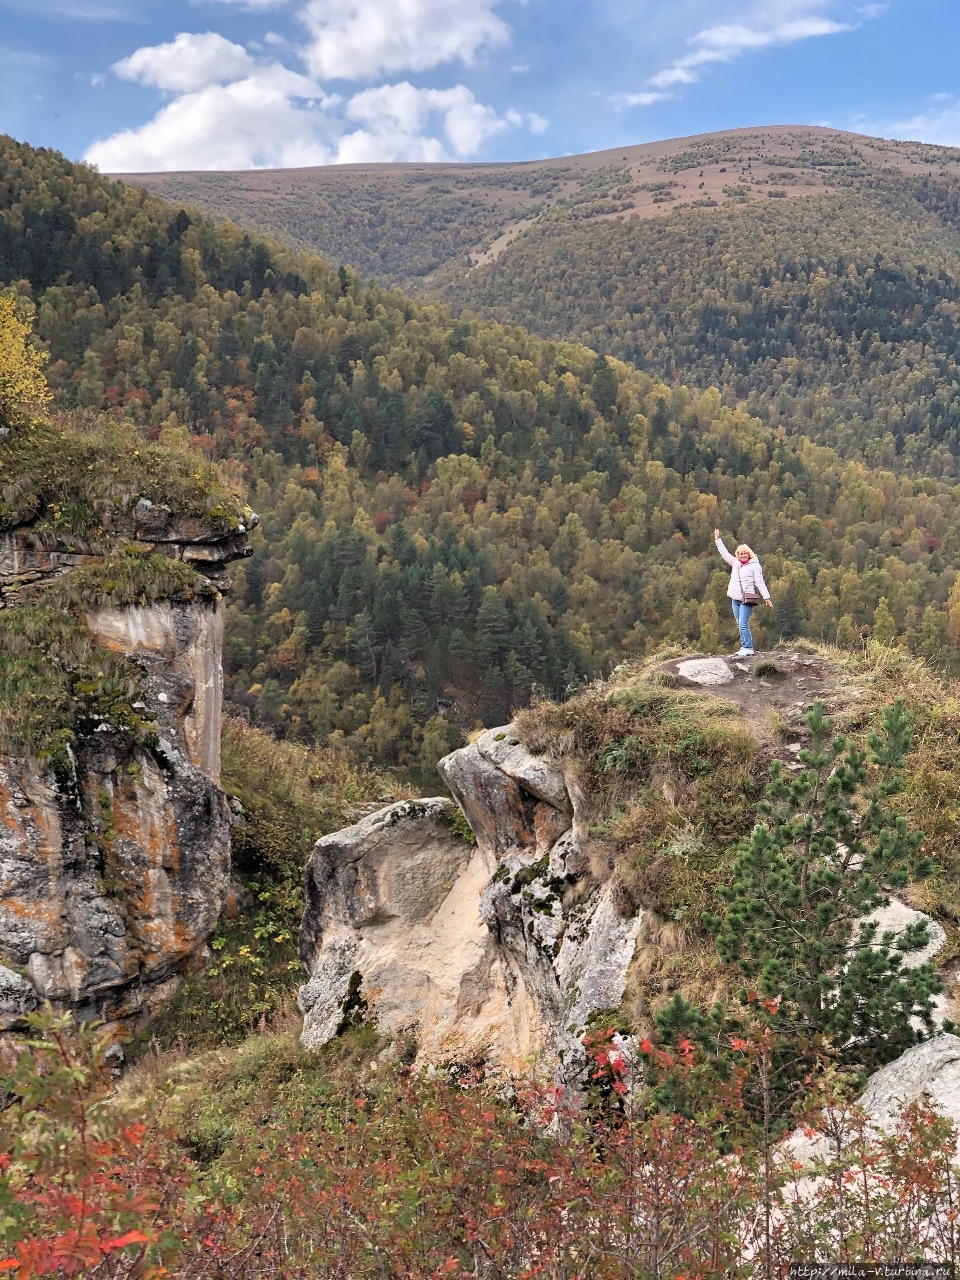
(671, 958)
(778, 726)
(664, 787)
(668, 784)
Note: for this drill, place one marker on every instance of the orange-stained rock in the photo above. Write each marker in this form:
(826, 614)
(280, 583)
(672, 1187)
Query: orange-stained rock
(112, 879)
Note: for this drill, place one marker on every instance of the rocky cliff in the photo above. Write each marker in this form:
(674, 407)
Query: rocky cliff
(115, 856)
(596, 831)
(495, 952)
(36, 552)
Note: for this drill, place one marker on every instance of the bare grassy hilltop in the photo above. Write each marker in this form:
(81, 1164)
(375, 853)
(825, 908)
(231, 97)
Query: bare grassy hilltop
(403, 222)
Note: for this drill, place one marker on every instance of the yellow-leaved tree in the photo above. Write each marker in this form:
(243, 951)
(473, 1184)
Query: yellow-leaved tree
(23, 388)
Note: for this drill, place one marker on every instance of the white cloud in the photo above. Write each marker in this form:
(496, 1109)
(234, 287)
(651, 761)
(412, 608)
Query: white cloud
(536, 123)
(234, 108)
(764, 25)
(394, 117)
(621, 100)
(267, 116)
(940, 125)
(272, 118)
(187, 62)
(360, 39)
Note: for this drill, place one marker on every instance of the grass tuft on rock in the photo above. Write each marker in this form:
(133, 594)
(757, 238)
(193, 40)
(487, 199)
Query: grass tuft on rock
(57, 684)
(130, 576)
(62, 474)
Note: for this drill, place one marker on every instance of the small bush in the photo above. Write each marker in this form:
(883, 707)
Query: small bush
(460, 826)
(779, 726)
(767, 670)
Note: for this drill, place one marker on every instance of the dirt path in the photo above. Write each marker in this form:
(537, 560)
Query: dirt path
(773, 689)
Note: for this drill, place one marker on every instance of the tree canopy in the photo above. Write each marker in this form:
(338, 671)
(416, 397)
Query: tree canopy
(455, 513)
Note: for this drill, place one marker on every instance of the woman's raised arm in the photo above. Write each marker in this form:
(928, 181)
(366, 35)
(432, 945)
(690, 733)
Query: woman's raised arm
(722, 549)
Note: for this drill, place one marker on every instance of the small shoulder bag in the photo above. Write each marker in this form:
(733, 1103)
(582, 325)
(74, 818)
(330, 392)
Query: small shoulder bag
(747, 597)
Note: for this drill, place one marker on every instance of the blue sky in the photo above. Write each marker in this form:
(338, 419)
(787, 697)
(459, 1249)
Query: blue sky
(208, 84)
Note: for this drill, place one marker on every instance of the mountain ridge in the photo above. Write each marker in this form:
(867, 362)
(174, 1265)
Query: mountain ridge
(236, 194)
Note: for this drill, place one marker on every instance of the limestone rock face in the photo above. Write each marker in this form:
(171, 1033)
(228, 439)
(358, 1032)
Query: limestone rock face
(111, 880)
(29, 555)
(113, 873)
(930, 1069)
(470, 948)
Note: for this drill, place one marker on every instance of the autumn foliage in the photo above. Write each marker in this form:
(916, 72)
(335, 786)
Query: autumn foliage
(426, 1178)
(23, 387)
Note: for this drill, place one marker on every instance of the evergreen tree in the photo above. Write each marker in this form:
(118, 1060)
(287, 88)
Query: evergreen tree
(492, 708)
(787, 622)
(827, 855)
(884, 624)
(659, 420)
(934, 643)
(492, 629)
(603, 385)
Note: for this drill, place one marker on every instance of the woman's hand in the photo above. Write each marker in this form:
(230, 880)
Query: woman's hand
(716, 534)
(769, 604)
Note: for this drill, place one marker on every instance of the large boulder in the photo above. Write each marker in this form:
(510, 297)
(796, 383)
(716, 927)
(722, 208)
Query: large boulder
(483, 951)
(928, 1070)
(395, 900)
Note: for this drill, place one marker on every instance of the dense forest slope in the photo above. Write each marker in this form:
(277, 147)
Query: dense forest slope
(812, 273)
(454, 513)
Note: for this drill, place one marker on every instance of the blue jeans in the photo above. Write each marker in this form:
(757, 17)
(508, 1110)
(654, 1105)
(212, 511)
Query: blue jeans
(741, 612)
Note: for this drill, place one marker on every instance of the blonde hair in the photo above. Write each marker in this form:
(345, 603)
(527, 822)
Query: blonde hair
(749, 550)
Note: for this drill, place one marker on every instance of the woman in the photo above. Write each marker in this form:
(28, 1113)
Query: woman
(745, 589)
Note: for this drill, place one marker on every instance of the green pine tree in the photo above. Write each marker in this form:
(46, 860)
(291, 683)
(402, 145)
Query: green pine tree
(603, 385)
(787, 619)
(828, 853)
(884, 623)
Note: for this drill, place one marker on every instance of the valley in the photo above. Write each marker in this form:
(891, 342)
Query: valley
(398, 877)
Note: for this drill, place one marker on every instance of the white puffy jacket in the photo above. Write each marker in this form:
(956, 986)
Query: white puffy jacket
(743, 577)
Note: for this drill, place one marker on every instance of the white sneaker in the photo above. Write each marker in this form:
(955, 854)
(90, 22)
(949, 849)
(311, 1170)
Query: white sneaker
(744, 653)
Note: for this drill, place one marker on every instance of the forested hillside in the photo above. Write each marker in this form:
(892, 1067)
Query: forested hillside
(454, 513)
(835, 316)
(813, 274)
